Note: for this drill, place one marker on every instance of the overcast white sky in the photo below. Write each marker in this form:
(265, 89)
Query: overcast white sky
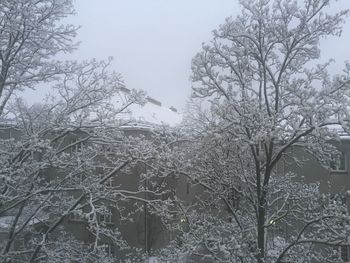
(153, 41)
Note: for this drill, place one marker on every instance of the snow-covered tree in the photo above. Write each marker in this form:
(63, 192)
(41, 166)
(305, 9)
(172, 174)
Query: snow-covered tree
(31, 35)
(258, 93)
(62, 158)
(59, 158)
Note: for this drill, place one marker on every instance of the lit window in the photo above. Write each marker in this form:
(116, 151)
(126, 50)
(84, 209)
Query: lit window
(272, 222)
(338, 162)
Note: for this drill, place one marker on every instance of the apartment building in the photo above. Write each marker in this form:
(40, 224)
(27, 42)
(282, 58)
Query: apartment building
(143, 231)
(332, 178)
(130, 222)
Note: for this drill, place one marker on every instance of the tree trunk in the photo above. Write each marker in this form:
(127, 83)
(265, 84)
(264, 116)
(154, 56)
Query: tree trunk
(261, 229)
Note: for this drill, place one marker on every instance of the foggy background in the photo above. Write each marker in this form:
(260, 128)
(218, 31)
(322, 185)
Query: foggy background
(153, 41)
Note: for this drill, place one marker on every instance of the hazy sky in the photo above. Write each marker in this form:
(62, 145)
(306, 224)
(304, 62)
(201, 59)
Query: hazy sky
(153, 41)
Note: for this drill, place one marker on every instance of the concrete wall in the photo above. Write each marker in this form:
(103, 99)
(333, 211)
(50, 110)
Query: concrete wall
(309, 169)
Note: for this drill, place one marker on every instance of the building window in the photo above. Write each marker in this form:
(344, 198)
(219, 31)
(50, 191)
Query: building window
(105, 217)
(110, 182)
(79, 177)
(345, 253)
(338, 162)
(109, 249)
(77, 147)
(76, 217)
(233, 198)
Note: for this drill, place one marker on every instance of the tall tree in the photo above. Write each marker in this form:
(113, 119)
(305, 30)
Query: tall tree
(262, 93)
(59, 158)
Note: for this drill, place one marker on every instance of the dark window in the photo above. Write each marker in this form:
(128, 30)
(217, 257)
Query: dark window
(345, 253)
(338, 162)
(233, 198)
(105, 217)
(109, 249)
(77, 146)
(76, 217)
